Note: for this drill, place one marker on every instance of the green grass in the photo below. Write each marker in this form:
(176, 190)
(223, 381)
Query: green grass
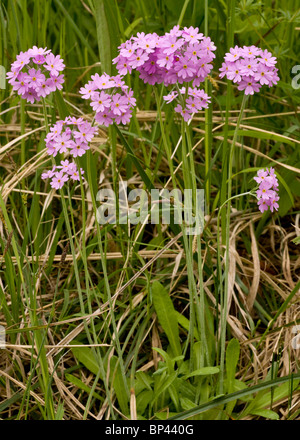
(144, 321)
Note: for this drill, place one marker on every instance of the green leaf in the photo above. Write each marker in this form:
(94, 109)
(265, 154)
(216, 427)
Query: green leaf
(118, 384)
(143, 380)
(59, 413)
(187, 404)
(131, 155)
(85, 356)
(286, 187)
(81, 385)
(185, 323)
(166, 316)
(232, 358)
(238, 385)
(164, 385)
(205, 371)
(296, 240)
(267, 414)
(164, 415)
(170, 361)
(173, 392)
(77, 30)
(186, 388)
(103, 36)
(261, 135)
(221, 400)
(9, 402)
(264, 399)
(129, 30)
(61, 105)
(143, 400)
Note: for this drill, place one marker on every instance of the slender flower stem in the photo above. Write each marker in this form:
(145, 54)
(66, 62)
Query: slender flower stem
(199, 299)
(162, 128)
(225, 294)
(45, 115)
(22, 110)
(208, 125)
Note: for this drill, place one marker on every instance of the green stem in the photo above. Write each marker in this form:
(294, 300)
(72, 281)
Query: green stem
(45, 115)
(23, 119)
(199, 299)
(208, 125)
(230, 42)
(109, 297)
(224, 297)
(183, 11)
(162, 129)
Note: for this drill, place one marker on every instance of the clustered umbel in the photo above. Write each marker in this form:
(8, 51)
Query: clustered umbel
(180, 56)
(110, 97)
(190, 101)
(62, 173)
(177, 57)
(36, 73)
(267, 192)
(250, 67)
(69, 137)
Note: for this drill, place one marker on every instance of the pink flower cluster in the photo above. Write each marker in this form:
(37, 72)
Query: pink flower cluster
(115, 106)
(250, 67)
(178, 56)
(62, 173)
(267, 190)
(36, 73)
(189, 102)
(70, 136)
